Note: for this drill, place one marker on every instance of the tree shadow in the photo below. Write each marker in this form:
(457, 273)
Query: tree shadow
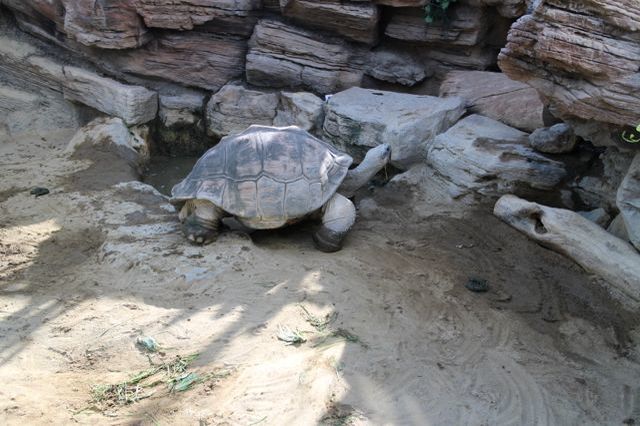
(430, 351)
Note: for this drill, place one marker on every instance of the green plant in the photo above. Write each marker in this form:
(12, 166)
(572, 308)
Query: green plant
(172, 374)
(436, 10)
(631, 135)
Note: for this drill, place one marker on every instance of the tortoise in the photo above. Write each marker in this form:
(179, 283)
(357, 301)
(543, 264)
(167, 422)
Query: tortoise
(269, 177)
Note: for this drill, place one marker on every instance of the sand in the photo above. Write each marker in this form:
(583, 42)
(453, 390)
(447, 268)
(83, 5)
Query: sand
(85, 270)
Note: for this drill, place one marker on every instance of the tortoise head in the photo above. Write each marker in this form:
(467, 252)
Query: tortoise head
(378, 157)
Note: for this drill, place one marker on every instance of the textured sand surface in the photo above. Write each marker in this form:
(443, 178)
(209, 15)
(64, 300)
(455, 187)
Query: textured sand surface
(84, 271)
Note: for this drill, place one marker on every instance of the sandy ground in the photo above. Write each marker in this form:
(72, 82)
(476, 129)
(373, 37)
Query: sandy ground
(85, 270)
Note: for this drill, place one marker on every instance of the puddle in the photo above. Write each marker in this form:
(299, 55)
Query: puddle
(163, 172)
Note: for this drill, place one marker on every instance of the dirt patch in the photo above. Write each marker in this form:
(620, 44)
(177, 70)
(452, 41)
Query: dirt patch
(67, 249)
(8, 193)
(106, 170)
(89, 271)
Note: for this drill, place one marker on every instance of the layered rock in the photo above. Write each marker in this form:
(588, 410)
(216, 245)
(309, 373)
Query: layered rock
(582, 56)
(355, 20)
(113, 24)
(484, 156)
(358, 119)
(466, 27)
(28, 67)
(496, 96)
(282, 55)
(473, 58)
(239, 24)
(134, 104)
(301, 109)
(235, 107)
(195, 59)
(393, 65)
(186, 14)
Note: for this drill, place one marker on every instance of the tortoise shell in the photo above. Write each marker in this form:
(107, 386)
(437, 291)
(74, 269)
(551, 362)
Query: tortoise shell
(266, 176)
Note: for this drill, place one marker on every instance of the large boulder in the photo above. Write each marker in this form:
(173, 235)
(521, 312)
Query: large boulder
(628, 201)
(31, 68)
(301, 109)
(134, 104)
(285, 56)
(481, 155)
(358, 119)
(110, 135)
(355, 20)
(235, 107)
(582, 56)
(496, 96)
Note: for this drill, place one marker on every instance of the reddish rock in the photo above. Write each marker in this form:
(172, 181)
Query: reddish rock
(357, 21)
(134, 104)
(496, 96)
(113, 24)
(185, 14)
(282, 55)
(194, 59)
(51, 10)
(582, 56)
(467, 27)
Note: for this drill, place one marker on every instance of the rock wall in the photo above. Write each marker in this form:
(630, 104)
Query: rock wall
(582, 56)
(319, 46)
(185, 48)
(359, 73)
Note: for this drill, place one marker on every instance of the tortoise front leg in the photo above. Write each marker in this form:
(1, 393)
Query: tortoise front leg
(339, 215)
(200, 221)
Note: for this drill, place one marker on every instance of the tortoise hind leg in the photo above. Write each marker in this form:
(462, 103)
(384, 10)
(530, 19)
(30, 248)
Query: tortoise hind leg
(200, 221)
(338, 216)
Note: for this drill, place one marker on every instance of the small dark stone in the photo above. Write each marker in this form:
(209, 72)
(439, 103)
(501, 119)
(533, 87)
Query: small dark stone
(38, 191)
(477, 285)
(629, 421)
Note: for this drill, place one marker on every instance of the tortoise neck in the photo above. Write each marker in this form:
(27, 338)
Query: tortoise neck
(358, 177)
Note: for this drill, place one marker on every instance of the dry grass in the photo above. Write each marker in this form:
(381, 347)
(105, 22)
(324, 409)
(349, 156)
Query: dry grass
(173, 375)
